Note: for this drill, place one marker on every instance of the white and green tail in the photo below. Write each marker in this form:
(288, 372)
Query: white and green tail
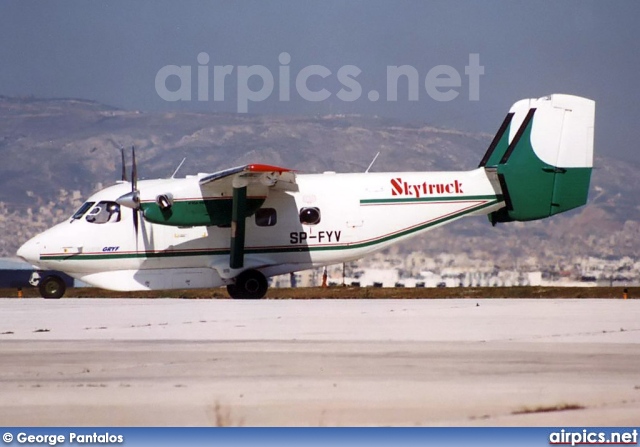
(542, 157)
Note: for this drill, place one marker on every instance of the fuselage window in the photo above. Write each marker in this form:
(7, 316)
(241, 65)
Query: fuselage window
(104, 212)
(310, 216)
(82, 210)
(266, 217)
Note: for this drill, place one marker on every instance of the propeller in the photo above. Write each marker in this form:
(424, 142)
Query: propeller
(132, 199)
(135, 194)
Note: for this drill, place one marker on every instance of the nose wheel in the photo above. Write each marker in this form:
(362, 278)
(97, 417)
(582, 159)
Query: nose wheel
(52, 287)
(250, 284)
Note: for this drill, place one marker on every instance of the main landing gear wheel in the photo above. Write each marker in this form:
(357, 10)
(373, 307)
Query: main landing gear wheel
(52, 287)
(250, 284)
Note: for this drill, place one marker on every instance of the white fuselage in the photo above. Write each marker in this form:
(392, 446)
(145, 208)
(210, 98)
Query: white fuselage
(359, 214)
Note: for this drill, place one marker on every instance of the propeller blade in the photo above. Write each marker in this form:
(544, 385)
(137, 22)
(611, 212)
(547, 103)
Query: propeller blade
(134, 170)
(124, 166)
(136, 224)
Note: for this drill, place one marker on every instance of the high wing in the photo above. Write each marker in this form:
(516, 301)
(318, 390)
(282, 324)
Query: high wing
(267, 175)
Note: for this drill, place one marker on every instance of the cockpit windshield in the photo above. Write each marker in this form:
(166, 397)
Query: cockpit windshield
(83, 209)
(104, 212)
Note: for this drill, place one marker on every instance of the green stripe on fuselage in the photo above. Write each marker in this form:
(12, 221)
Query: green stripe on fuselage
(429, 199)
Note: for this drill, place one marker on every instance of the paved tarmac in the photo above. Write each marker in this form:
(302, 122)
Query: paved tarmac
(114, 362)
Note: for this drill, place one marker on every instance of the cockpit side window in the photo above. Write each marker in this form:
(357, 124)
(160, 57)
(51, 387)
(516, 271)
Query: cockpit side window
(104, 212)
(82, 210)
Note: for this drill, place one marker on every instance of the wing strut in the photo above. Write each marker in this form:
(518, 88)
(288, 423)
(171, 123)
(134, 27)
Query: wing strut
(238, 216)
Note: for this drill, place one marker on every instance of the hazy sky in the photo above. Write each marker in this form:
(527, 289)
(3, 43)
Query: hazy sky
(112, 51)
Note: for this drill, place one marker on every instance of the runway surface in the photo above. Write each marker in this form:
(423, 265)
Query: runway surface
(319, 362)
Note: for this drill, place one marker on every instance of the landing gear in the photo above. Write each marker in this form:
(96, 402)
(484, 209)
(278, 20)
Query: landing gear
(250, 284)
(52, 287)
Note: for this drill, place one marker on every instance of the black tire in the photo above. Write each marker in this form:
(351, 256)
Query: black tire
(231, 290)
(250, 284)
(52, 287)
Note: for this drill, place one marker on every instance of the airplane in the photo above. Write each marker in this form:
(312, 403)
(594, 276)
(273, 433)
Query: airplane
(239, 226)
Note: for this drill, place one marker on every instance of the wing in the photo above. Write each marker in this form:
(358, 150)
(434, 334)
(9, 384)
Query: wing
(266, 175)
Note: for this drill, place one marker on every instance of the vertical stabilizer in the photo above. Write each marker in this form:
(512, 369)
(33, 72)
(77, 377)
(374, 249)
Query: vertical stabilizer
(543, 157)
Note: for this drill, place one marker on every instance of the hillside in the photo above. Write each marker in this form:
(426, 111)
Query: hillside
(56, 152)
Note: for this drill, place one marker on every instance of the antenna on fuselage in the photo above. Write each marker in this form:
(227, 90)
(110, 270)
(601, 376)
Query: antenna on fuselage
(372, 162)
(178, 168)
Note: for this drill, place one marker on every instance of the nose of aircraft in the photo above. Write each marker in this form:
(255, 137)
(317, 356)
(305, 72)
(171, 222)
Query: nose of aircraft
(30, 251)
